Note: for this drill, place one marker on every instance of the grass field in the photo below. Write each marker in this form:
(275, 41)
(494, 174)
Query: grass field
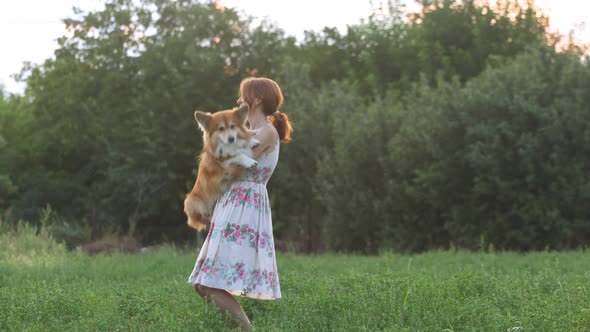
(45, 288)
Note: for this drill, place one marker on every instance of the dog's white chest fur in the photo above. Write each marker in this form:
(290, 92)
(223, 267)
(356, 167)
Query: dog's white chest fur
(238, 153)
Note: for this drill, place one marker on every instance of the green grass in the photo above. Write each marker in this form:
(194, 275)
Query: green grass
(45, 288)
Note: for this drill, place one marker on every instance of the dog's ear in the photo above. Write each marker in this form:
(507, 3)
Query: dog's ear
(202, 119)
(243, 112)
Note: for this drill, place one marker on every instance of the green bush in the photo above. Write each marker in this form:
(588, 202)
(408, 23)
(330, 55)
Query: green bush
(71, 234)
(503, 160)
(23, 243)
(527, 142)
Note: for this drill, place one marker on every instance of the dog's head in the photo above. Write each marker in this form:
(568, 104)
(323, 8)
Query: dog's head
(223, 126)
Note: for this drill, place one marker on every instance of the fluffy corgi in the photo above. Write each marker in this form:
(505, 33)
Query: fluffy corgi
(225, 140)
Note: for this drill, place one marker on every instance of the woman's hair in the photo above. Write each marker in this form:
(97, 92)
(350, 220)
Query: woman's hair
(269, 92)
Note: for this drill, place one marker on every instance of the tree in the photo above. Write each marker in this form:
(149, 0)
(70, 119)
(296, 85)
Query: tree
(112, 129)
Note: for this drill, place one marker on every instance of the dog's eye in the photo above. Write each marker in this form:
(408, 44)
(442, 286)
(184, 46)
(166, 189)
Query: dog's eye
(232, 126)
(220, 128)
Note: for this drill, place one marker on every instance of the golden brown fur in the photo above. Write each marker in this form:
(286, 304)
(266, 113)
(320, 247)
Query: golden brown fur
(218, 148)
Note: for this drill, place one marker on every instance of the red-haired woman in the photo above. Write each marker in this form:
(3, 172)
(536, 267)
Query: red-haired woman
(238, 255)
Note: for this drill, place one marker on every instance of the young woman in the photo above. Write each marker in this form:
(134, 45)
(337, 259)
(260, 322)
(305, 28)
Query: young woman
(238, 255)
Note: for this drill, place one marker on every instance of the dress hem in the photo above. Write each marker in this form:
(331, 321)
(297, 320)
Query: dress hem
(239, 292)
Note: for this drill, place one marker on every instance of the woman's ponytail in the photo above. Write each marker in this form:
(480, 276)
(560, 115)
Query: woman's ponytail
(281, 122)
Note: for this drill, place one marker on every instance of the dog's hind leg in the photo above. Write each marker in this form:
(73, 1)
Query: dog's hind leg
(196, 211)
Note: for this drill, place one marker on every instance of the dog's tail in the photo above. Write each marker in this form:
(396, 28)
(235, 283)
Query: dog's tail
(195, 211)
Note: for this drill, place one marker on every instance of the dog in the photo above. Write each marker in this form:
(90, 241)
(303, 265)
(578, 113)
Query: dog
(226, 140)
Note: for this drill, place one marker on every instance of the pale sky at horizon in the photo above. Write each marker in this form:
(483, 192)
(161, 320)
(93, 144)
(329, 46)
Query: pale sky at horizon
(30, 28)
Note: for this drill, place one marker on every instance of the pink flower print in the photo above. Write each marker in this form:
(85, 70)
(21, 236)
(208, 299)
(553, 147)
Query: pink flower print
(256, 174)
(237, 233)
(228, 230)
(263, 243)
(241, 274)
(206, 269)
(257, 277)
(246, 196)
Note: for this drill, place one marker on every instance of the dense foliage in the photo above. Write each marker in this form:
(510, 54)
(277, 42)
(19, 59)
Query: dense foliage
(460, 125)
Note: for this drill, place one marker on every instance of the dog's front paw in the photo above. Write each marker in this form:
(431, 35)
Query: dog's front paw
(251, 164)
(254, 143)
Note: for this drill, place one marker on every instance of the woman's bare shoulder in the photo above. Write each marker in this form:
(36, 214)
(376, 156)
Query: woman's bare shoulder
(272, 130)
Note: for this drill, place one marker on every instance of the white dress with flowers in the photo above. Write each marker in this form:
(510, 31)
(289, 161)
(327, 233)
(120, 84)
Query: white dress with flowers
(238, 254)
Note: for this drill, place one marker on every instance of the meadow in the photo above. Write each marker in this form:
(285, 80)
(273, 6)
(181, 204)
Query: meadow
(44, 287)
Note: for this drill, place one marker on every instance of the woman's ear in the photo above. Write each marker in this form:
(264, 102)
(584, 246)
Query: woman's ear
(203, 119)
(256, 102)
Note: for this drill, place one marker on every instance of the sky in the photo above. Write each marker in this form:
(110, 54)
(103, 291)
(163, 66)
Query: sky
(30, 28)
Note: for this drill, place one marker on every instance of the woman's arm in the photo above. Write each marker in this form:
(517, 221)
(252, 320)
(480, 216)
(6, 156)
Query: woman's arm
(267, 136)
(232, 170)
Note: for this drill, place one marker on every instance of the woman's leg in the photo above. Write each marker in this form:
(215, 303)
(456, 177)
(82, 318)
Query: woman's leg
(225, 303)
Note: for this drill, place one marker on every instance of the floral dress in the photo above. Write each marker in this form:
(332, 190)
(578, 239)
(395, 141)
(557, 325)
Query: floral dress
(238, 254)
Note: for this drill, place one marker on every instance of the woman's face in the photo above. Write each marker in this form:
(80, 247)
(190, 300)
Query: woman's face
(241, 102)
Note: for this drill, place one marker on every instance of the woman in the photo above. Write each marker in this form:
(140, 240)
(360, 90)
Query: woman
(238, 255)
